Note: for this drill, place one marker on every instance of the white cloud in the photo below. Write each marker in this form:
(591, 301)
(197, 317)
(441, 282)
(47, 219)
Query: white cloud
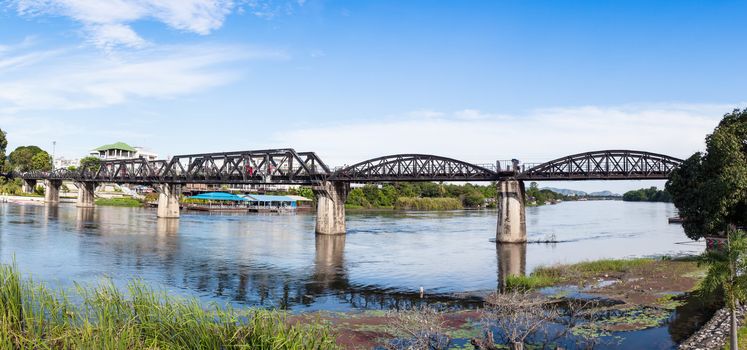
(108, 36)
(108, 22)
(66, 79)
(540, 135)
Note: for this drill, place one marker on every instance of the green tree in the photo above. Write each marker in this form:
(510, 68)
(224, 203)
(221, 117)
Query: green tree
(41, 161)
(357, 198)
(726, 276)
(710, 189)
(10, 186)
(3, 145)
(651, 194)
(429, 189)
(22, 159)
(306, 192)
(91, 163)
(473, 199)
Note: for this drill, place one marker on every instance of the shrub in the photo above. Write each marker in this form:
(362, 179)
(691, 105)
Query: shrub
(119, 202)
(410, 203)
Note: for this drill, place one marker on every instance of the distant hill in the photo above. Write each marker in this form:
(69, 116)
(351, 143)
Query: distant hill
(604, 194)
(567, 192)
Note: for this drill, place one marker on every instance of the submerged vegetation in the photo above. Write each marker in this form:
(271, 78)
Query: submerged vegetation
(35, 317)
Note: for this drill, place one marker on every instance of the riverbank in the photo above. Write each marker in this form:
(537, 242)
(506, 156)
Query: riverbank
(645, 295)
(635, 296)
(32, 199)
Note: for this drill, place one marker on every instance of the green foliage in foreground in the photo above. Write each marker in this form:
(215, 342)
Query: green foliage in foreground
(651, 194)
(412, 203)
(726, 276)
(119, 202)
(742, 339)
(34, 317)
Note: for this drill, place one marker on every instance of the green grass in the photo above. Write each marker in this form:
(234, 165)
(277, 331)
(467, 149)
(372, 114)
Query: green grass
(741, 339)
(544, 276)
(525, 283)
(34, 194)
(591, 268)
(35, 317)
(119, 202)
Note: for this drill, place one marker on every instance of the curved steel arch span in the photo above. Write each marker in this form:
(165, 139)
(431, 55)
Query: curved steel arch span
(605, 165)
(413, 167)
(286, 166)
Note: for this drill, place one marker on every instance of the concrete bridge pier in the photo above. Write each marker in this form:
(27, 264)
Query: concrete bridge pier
(330, 207)
(86, 192)
(52, 191)
(512, 227)
(168, 200)
(28, 186)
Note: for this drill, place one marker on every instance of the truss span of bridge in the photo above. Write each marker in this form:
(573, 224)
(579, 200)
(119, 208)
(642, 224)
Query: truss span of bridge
(286, 166)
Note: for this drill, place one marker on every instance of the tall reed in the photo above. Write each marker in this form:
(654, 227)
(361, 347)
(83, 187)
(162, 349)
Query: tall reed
(416, 203)
(34, 317)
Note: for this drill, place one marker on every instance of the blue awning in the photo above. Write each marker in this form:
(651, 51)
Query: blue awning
(268, 198)
(219, 196)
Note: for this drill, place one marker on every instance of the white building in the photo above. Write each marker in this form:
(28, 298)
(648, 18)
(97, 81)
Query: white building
(64, 163)
(121, 150)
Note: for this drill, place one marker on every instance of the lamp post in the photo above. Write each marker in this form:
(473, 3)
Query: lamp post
(54, 147)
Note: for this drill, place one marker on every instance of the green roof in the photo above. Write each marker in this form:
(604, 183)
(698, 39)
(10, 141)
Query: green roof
(118, 145)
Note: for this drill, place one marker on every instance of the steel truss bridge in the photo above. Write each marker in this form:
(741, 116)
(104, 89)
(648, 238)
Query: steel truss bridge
(286, 166)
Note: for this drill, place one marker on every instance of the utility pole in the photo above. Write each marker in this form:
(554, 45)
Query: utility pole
(54, 147)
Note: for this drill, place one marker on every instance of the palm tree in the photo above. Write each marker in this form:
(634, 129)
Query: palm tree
(726, 269)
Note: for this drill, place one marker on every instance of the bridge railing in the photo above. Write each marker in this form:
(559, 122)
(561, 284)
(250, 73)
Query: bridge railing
(489, 166)
(526, 166)
(505, 165)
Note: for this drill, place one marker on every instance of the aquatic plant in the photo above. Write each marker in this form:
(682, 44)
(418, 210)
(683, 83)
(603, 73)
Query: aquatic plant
(34, 317)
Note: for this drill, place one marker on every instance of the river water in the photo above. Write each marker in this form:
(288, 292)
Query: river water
(278, 261)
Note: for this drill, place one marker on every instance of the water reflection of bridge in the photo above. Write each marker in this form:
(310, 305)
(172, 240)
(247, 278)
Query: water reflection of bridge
(162, 256)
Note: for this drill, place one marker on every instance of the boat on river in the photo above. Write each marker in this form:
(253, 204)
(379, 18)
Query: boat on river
(676, 220)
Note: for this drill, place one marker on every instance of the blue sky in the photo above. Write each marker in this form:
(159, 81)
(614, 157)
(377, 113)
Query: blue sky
(478, 81)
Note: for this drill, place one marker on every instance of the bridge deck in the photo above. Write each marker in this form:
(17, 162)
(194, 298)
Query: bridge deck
(286, 166)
